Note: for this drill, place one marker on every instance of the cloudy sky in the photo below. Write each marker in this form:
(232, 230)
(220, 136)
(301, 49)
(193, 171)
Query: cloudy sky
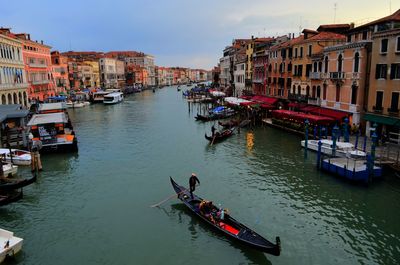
(177, 32)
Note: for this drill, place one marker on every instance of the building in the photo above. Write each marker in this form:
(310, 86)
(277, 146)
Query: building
(120, 72)
(38, 67)
(108, 73)
(239, 74)
(83, 56)
(384, 81)
(13, 80)
(60, 72)
(95, 72)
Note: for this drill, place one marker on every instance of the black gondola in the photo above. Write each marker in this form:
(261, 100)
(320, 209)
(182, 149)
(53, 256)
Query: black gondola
(9, 197)
(219, 136)
(228, 226)
(229, 124)
(214, 116)
(13, 184)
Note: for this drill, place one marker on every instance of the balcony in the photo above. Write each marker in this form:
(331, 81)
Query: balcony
(37, 65)
(40, 82)
(314, 101)
(337, 75)
(13, 86)
(377, 109)
(315, 75)
(393, 112)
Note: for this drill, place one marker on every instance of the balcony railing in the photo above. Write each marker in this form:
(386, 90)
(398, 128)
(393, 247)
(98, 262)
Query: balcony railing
(393, 112)
(377, 109)
(337, 75)
(314, 101)
(40, 82)
(13, 86)
(38, 65)
(302, 98)
(315, 75)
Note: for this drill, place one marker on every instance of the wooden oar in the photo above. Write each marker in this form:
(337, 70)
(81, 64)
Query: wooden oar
(169, 198)
(212, 142)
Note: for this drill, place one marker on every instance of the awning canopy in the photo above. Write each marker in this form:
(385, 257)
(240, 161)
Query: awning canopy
(301, 116)
(12, 111)
(392, 121)
(52, 106)
(236, 101)
(264, 100)
(58, 117)
(335, 114)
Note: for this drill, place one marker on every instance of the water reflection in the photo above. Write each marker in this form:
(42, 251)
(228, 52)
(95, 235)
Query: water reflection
(195, 224)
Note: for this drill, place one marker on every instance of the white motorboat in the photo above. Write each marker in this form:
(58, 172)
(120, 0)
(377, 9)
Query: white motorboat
(11, 244)
(19, 157)
(113, 98)
(343, 149)
(86, 103)
(75, 104)
(9, 169)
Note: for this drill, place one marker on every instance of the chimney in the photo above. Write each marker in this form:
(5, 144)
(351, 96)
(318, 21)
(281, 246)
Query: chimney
(41, 42)
(352, 25)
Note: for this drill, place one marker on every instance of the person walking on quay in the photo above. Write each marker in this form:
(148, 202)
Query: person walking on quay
(192, 183)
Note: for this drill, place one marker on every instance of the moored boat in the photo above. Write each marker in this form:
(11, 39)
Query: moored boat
(343, 149)
(13, 184)
(229, 124)
(18, 157)
(9, 169)
(227, 225)
(75, 104)
(113, 98)
(7, 197)
(12, 244)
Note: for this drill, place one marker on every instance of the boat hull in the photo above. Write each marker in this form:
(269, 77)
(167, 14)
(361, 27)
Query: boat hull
(244, 236)
(313, 145)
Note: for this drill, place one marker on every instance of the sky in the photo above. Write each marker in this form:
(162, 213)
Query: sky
(185, 33)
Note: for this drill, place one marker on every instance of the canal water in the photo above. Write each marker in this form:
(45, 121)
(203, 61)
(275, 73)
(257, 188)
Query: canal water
(93, 207)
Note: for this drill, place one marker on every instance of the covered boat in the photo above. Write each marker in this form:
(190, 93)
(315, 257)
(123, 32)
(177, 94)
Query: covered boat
(229, 124)
(343, 149)
(228, 225)
(113, 98)
(9, 169)
(18, 157)
(12, 244)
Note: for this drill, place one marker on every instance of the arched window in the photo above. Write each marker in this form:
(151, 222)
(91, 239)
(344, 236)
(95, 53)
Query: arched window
(356, 62)
(324, 91)
(318, 91)
(314, 91)
(315, 67)
(340, 63)
(294, 89)
(354, 94)
(337, 92)
(299, 90)
(9, 97)
(308, 91)
(320, 67)
(326, 64)
(3, 100)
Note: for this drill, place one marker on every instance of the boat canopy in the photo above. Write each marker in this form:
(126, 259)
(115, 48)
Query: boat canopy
(58, 98)
(301, 117)
(38, 119)
(219, 109)
(52, 106)
(236, 101)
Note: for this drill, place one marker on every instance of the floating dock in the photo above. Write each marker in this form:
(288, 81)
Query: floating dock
(355, 170)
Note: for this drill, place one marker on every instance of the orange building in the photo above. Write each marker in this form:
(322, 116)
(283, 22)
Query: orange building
(60, 72)
(38, 68)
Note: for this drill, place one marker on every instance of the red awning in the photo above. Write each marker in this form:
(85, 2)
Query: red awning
(264, 100)
(301, 116)
(335, 114)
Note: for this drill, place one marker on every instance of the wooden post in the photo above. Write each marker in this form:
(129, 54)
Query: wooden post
(1, 167)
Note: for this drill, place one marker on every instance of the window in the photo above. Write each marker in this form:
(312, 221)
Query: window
(301, 52)
(364, 35)
(395, 71)
(354, 94)
(337, 93)
(309, 50)
(324, 91)
(300, 70)
(326, 64)
(308, 69)
(340, 63)
(381, 71)
(289, 67)
(356, 62)
(384, 45)
(295, 53)
(398, 44)
(394, 105)
(379, 100)
(348, 38)
(318, 91)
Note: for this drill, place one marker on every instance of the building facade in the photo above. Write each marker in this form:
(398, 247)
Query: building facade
(60, 72)
(13, 80)
(38, 68)
(108, 73)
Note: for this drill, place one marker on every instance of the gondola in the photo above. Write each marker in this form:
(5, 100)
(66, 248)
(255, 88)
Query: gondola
(228, 226)
(214, 116)
(9, 197)
(219, 136)
(13, 184)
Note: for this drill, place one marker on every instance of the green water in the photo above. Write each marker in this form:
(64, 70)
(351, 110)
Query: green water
(93, 207)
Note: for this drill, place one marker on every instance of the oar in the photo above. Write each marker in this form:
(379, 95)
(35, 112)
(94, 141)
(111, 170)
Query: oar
(212, 142)
(169, 198)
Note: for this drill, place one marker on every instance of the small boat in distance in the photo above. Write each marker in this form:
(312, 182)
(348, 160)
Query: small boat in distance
(343, 149)
(11, 244)
(228, 225)
(19, 157)
(75, 104)
(113, 98)
(219, 136)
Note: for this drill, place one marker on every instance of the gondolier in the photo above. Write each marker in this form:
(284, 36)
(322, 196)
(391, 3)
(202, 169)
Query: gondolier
(192, 183)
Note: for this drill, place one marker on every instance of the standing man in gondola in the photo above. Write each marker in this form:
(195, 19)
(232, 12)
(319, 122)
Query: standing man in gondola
(192, 183)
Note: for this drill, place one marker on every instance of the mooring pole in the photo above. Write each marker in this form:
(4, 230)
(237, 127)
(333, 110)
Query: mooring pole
(346, 130)
(306, 122)
(319, 154)
(334, 133)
